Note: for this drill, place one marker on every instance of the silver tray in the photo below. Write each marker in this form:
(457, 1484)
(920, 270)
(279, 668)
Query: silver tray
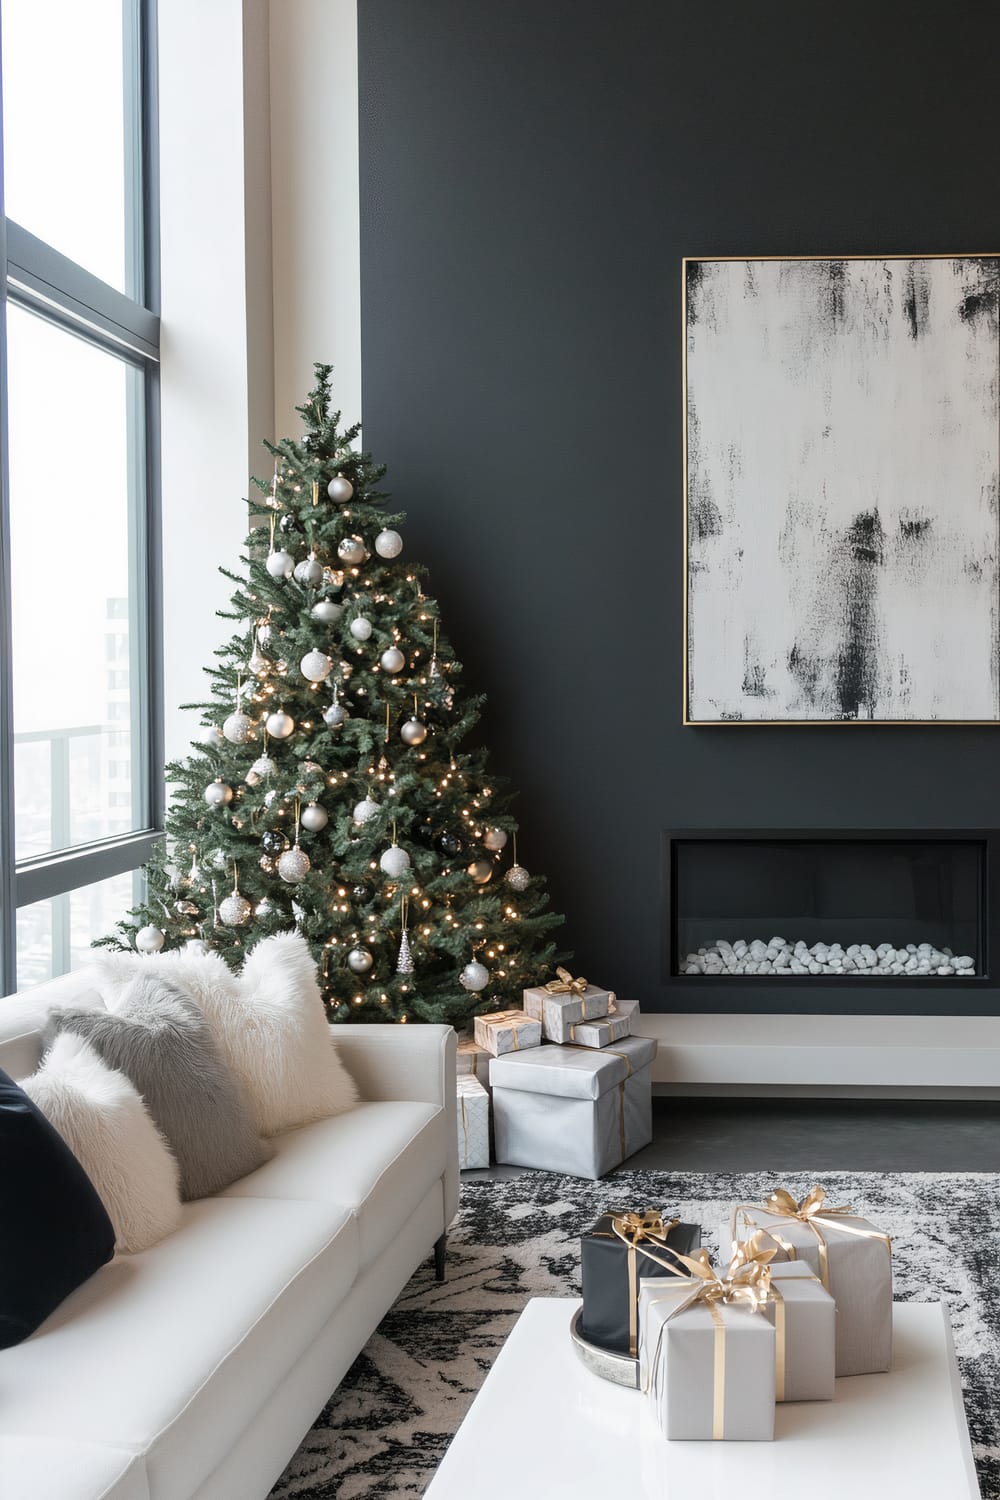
(620, 1369)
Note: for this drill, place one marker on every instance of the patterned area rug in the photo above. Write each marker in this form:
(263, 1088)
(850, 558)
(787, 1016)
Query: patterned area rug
(386, 1429)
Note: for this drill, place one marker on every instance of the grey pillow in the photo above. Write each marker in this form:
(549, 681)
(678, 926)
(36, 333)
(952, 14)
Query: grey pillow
(160, 1040)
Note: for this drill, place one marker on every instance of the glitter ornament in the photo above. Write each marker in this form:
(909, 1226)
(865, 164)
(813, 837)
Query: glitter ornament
(404, 961)
(335, 713)
(263, 766)
(327, 611)
(359, 960)
(361, 628)
(340, 489)
(280, 564)
(315, 666)
(279, 725)
(314, 817)
(235, 910)
(364, 810)
(149, 939)
(266, 863)
(393, 660)
(517, 878)
(388, 543)
(494, 839)
(474, 977)
(218, 793)
(309, 572)
(394, 862)
(481, 871)
(238, 728)
(294, 865)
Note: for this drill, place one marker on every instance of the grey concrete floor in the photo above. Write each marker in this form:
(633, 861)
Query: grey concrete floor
(859, 1135)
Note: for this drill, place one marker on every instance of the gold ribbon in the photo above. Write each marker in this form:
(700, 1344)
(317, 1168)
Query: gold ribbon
(498, 1017)
(566, 984)
(611, 1052)
(635, 1230)
(747, 1280)
(813, 1211)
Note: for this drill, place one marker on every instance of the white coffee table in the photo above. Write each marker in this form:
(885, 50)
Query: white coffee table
(544, 1426)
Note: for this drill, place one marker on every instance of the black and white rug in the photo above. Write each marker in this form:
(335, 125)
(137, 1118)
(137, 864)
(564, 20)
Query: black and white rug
(386, 1429)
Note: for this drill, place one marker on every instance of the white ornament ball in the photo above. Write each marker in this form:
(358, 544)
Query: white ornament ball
(238, 728)
(327, 611)
(293, 865)
(218, 793)
(495, 839)
(413, 732)
(388, 543)
(361, 628)
(359, 960)
(149, 939)
(315, 666)
(340, 489)
(280, 564)
(393, 660)
(517, 878)
(264, 907)
(481, 871)
(351, 550)
(314, 817)
(263, 766)
(309, 572)
(208, 734)
(334, 715)
(394, 862)
(474, 977)
(279, 725)
(364, 810)
(235, 910)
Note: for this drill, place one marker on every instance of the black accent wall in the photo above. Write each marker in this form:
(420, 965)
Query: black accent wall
(532, 172)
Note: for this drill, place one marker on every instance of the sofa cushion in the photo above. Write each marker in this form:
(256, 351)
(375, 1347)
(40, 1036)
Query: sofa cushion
(50, 1469)
(104, 1122)
(161, 1041)
(378, 1161)
(170, 1352)
(54, 1229)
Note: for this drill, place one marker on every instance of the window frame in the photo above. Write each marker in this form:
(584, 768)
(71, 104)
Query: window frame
(43, 281)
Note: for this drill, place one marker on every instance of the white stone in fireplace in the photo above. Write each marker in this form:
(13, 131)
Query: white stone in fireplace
(859, 960)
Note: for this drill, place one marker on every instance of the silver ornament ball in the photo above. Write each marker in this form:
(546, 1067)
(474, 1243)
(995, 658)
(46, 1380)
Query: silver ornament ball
(388, 543)
(208, 734)
(481, 871)
(263, 766)
(315, 666)
(340, 489)
(517, 878)
(149, 939)
(361, 628)
(279, 725)
(351, 550)
(364, 810)
(218, 859)
(293, 865)
(413, 732)
(238, 728)
(494, 839)
(218, 793)
(314, 817)
(394, 862)
(359, 960)
(264, 907)
(309, 572)
(327, 611)
(235, 910)
(393, 660)
(474, 977)
(280, 564)
(335, 714)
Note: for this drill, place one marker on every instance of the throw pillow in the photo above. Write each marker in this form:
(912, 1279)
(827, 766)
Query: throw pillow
(54, 1229)
(104, 1122)
(269, 1023)
(161, 1041)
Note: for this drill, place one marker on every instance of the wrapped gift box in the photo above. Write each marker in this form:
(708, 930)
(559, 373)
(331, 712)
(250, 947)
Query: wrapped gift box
(708, 1369)
(804, 1316)
(473, 1123)
(621, 1251)
(573, 1109)
(851, 1257)
(559, 1013)
(625, 1008)
(473, 1060)
(600, 1033)
(504, 1031)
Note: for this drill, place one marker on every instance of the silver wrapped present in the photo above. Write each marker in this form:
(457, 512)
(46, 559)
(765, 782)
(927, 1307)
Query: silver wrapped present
(625, 1008)
(707, 1356)
(804, 1316)
(851, 1257)
(573, 1109)
(473, 1123)
(473, 1060)
(505, 1031)
(564, 1003)
(600, 1033)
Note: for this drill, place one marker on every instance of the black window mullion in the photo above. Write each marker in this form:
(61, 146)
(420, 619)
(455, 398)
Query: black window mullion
(7, 891)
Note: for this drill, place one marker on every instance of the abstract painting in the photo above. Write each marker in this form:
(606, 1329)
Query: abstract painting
(842, 481)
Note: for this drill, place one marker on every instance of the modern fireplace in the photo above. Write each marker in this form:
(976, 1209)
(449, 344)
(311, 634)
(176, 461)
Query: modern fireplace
(840, 913)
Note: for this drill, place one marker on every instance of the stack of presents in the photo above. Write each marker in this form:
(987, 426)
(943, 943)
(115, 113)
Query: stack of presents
(570, 1086)
(802, 1293)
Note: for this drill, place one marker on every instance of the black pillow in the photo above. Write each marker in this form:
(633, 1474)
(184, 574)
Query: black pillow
(54, 1229)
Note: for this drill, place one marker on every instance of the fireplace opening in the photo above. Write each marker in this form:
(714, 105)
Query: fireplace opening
(828, 908)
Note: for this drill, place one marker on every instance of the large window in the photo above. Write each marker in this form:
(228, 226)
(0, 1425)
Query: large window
(80, 741)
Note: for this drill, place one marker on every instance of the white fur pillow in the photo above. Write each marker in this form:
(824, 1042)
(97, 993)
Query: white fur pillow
(104, 1122)
(269, 1023)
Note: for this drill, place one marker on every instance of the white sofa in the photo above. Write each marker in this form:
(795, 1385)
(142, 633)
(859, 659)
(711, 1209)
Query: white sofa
(192, 1370)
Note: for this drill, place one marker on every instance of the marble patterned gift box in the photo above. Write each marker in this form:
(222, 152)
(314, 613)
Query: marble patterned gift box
(600, 1033)
(473, 1060)
(562, 1004)
(504, 1031)
(851, 1257)
(625, 1008)
(473, 1123)
(706, 1365)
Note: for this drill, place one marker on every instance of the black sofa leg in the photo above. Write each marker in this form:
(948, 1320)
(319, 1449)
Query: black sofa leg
(440, 1255)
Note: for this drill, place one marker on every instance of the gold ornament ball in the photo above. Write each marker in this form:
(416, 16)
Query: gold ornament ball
(267, 864)
(481, 871)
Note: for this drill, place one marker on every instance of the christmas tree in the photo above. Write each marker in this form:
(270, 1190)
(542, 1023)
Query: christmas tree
(335, 790)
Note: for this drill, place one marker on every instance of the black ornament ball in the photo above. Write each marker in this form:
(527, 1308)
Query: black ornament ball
(274, 842)
(290, 525)
(359, 892)
(450, 843)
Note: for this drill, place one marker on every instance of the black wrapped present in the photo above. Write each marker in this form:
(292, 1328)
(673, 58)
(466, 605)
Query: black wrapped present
(617, 1253)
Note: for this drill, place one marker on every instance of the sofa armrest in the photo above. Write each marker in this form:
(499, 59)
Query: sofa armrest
(407, 1062)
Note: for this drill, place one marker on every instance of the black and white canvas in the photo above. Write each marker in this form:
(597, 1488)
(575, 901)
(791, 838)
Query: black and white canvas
(842, 465)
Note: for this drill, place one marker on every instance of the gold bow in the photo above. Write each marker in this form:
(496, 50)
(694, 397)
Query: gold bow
(637, 1230)
(813, 1211)
(566, 984)
(515, 1017)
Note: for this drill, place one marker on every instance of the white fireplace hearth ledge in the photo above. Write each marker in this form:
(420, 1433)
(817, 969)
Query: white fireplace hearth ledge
(943, 1056)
